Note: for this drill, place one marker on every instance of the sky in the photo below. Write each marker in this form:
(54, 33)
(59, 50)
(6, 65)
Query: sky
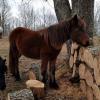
(37, 5)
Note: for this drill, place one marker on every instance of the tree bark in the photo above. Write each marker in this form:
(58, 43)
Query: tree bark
(62, 9)
(75, 6)
(86, 9)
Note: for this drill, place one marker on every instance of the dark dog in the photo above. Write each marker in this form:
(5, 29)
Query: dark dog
(3, 70)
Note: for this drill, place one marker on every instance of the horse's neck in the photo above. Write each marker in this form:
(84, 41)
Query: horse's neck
(59, 33)
(65, 28)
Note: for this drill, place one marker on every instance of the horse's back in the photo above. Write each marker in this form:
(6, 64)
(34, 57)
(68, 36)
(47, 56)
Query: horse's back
(21, 32)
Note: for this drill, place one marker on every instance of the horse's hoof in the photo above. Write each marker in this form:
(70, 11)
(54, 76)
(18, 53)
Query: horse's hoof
(54, 86)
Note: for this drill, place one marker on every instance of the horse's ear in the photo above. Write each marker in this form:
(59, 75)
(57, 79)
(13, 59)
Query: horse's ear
(75, 19)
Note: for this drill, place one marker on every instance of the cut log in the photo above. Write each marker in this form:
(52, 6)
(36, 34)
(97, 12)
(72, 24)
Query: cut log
(83, 86)
(74, 70)
(96, 71)
(72, 51)
(71, 61)
(89, 78)
(74, 47)
(96, 91)
(24, 94)
(82, 68)
(88, 58)
(89, 93)
(36, 87)
(81, 52)
(75, 56)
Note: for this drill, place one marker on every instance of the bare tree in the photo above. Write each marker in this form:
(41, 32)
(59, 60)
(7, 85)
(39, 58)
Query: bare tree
(4, 14)
(26, 13)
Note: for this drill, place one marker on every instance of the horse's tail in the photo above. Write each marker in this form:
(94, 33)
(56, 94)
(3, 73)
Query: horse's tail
(12, 54)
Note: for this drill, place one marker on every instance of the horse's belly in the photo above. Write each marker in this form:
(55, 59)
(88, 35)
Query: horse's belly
(32, 53)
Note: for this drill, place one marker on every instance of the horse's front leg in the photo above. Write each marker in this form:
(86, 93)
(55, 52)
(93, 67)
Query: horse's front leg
(44, 65)
(52, 80)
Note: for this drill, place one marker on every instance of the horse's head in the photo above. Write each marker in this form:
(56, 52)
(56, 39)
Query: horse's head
(78, 31)
(3, 70)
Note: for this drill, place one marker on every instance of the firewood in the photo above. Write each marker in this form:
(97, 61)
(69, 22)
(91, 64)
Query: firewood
(88, 58)
(82, 68)
(75, 45)
(75, 56)
(81, 52)
(71, 61)
(96, 71)
(89, 78)
(36, 87)
(96, 91)
(74, 70)
(83, 86)
(89, 93)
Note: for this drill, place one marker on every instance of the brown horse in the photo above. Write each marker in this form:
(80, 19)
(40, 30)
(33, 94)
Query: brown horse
(45, 44)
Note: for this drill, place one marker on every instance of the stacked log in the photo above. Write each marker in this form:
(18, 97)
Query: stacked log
(37, 87)
(88, 68)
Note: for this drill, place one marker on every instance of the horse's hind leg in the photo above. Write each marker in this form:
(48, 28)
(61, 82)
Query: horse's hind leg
(17, 75)
(44, 65)
(52, 80)
(13, 62)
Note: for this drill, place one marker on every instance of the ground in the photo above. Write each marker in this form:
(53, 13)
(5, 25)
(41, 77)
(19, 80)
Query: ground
(67, 91)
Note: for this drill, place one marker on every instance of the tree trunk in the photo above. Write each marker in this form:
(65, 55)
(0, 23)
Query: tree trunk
(86, 9)
(62, 9)
(75, 7)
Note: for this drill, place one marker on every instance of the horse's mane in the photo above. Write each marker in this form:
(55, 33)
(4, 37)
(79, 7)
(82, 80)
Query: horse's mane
(56, 34)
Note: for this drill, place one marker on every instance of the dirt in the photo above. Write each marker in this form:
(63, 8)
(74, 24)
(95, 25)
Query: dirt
(66, 91)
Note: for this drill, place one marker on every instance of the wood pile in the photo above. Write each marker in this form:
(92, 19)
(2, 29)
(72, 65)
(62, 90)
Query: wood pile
(37, 87)
(86, 62)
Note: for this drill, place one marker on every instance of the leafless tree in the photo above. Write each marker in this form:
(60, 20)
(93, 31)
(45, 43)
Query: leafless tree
(26, 13)
(4, 13)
